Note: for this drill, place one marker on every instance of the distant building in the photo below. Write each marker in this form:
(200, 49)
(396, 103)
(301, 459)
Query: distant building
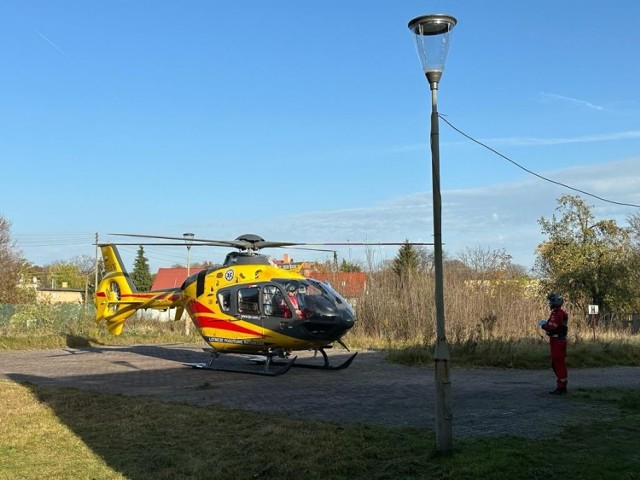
(350, 285)
(172, 277)
(59, 295)
(169, 278)
(287, 263)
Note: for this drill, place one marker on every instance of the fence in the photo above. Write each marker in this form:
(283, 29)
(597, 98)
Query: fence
(44, 317)
(615, 321)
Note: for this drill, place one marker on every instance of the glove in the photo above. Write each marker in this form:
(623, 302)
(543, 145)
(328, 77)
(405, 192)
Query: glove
(542, 322)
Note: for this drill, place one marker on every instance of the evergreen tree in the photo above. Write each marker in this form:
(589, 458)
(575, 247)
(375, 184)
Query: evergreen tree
(349, 266)
(407, 261)
(141, 275)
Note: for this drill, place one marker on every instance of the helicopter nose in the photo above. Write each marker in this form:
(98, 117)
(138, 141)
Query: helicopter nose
(330, 327)
(347, 319)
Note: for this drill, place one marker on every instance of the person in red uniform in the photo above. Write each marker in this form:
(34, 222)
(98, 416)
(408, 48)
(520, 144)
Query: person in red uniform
(556, 328)
(293, 298)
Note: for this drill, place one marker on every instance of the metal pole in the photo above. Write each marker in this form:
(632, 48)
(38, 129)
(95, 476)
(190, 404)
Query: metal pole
(442, 357)
(187, 320)
(95, 286)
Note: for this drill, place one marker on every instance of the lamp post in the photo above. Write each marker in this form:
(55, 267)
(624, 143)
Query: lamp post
(432, 35)
(188, 241)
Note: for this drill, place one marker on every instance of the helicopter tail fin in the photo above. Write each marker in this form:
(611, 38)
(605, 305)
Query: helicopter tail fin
(114, 293)
(117, 297)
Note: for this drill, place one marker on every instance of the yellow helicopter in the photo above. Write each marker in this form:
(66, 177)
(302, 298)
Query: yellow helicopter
(247, 305)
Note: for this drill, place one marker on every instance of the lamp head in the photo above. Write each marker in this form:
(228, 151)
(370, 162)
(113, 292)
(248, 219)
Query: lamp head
(432, 34)
(188, 238)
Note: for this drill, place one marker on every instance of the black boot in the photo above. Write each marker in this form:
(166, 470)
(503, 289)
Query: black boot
(558, 391)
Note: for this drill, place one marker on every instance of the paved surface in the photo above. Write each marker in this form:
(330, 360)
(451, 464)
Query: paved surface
(371, 391)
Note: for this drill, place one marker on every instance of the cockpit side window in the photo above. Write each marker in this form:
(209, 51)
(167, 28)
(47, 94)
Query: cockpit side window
(272, 301)
(224, 300)
(249, 300)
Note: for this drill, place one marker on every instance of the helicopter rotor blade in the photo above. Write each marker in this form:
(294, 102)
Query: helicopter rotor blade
(309, 249)
(161, 244)
(372, 244)
(255, 243)
(194, 241)
(246, 242)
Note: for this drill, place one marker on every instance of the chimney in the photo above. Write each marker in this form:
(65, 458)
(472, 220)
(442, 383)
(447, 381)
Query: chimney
(285, 258)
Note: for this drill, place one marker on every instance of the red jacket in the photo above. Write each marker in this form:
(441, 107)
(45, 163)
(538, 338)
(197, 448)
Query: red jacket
(556, 326)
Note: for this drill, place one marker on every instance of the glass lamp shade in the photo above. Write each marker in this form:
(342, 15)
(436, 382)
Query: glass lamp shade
(188, 238)
(432, 34)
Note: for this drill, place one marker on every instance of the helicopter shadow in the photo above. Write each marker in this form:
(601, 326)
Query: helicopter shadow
(179, 352)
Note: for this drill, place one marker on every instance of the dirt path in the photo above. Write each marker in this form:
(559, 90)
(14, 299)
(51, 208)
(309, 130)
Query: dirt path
(485, 401)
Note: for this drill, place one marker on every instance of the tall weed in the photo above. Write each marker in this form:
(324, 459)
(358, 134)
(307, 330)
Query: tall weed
(476, 312)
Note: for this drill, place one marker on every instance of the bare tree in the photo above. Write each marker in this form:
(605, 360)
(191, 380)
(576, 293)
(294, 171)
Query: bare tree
(11, 266)
(490, 264)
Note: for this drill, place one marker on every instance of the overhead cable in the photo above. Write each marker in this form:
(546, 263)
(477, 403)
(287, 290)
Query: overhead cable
(534, 173)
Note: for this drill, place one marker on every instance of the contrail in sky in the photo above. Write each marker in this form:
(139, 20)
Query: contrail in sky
(72, 60)
(42, 35)
(575, 101)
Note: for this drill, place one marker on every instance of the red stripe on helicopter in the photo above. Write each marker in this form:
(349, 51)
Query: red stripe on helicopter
(216, 323)
(204, 318)
(197, 307)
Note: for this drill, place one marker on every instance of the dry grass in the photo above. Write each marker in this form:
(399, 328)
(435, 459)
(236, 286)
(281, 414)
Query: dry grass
(392, 313)
(489, 323)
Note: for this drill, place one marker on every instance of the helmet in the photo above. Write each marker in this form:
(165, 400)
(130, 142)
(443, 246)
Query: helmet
(291, 288)
(555, 300)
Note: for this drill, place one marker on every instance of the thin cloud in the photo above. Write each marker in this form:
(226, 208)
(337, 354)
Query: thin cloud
(570, 100)
(500, 216)
(532, 141)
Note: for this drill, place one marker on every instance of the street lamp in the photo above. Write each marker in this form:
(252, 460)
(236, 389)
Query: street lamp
(188, 241)
(432, 35)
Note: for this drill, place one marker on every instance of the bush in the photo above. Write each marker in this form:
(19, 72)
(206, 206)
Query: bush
(43, 319)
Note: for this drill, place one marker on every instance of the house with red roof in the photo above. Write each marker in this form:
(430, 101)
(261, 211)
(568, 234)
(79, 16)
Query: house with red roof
(350, 285)
(172, 277)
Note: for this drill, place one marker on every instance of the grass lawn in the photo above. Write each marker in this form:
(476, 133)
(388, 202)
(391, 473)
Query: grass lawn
(62, 433)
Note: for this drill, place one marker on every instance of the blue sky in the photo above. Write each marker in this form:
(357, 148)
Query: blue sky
(309, 122)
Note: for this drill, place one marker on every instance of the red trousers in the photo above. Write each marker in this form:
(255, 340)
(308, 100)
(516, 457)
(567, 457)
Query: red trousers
(558, 360)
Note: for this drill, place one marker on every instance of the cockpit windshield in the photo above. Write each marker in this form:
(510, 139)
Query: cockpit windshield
(303, 299)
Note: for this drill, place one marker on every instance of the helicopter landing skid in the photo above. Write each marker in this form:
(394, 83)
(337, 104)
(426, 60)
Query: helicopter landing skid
(265, 371)
(326, 364)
